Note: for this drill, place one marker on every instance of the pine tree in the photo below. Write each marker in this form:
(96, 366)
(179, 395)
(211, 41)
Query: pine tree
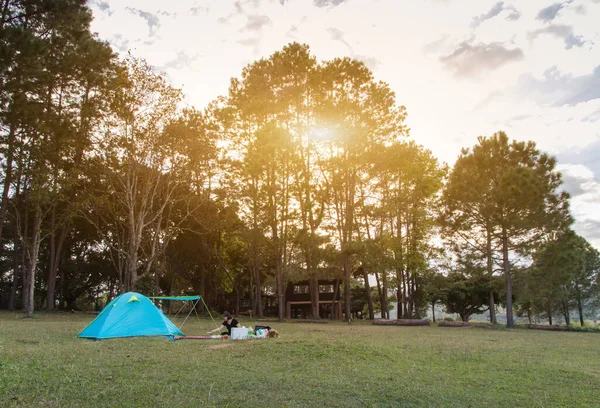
(510, 190)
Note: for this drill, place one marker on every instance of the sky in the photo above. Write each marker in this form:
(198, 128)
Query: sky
(462, 68)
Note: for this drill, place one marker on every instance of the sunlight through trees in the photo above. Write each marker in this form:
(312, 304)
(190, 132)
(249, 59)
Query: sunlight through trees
(305, 171)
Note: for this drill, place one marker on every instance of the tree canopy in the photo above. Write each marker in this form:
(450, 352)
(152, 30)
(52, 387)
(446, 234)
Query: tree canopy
(304, 171)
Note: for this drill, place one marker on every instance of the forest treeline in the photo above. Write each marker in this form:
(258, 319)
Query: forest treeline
(305, 170)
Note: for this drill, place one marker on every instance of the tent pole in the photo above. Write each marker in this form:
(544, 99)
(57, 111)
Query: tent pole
(196, 310)
(177, 314)
(207, 309)
(188, 315)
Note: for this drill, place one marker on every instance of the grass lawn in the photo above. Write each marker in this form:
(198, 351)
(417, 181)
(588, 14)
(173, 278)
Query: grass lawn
(333, 365)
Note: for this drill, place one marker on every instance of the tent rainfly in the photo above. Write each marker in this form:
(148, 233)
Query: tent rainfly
(130, 315)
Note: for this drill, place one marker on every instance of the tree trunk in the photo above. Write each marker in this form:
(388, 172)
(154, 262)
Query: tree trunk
(380, 293)
(409, 296)
(255, 239)
(52, 254)
(433, 310)
(336, 290)
(492, 306)
(111, 288)
(61, 286)
(411, 304)
(280, 293)
(259, 302)
(32, 258)
(399, 296)
(415, 308)
(25, 283)
(170, 302)
(131, 278)
(158, 268)
(566, 315)
(122, 274)
(549, 314)
(384, 300)
(278, 274)
(368, 294)
(7, 175)
(202, 284)
(314, 297)
(580, 310)
(346, 259)
(253, 293)
(400, 272)
(313, 287)
(12, 302)
(405, 294)
(23, 237)
(350, 190)
(56, 251)
(507, 280)
(490, 271)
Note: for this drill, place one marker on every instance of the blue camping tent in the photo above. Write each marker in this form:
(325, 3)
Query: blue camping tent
(129, 315)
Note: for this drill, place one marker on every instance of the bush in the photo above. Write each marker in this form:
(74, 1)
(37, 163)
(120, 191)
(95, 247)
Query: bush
(584, 329)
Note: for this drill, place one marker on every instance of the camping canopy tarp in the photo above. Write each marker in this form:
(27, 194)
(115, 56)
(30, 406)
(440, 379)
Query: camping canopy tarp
(130, 315)
(193, 298)
(175, 297)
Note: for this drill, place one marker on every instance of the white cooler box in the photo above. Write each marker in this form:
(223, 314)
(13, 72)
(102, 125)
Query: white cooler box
(238, 333)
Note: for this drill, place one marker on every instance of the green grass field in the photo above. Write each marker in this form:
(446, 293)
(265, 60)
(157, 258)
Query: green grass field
(42, 363)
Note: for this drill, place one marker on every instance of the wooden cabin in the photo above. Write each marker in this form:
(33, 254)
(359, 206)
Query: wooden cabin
(298, 304)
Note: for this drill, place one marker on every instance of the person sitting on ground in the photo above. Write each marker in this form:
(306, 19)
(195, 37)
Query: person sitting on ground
(228, 324)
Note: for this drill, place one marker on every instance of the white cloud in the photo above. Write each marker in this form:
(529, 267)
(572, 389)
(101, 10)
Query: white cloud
(257, 22)
(558, 89)
(580, 181)
(562, 31)
(512, 14)
(472, 60)
(101, 5)
(549, 13)
(327, 3)
(151, 19)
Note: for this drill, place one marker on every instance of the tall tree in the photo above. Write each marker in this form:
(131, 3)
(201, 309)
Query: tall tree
(512, 191)
(43, 106)
(565, 272)
(409, 179)
(265, 151)
(586, 277)
(138, 167)
(85, 74)
(359, 113)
